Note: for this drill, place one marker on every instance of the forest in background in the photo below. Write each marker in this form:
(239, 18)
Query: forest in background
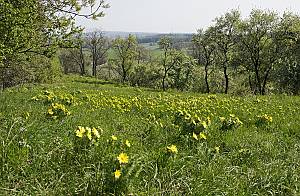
(258, 54)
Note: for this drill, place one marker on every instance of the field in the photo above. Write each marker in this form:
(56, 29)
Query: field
(83, 136)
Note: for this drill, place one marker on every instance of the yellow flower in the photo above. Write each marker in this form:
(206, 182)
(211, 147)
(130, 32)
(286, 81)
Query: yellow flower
(89, 133)
(127, 143)
(222, 119)
(270, 119)
(123, 158)
(114, 138)
(172, 149)
(195, 136)
(187, 117)
(80, 131)
(217, 149)
(95, 132)
(27, 115)
(117, 174)
(202, 136)
(204, 124)
(50, 111)
(194, 122)
(208, 121)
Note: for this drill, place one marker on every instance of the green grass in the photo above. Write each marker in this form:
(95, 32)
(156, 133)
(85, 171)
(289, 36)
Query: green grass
(41, 155)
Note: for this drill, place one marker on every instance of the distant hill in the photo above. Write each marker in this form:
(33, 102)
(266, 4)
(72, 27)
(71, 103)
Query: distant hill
(144, 37)
(115, 34)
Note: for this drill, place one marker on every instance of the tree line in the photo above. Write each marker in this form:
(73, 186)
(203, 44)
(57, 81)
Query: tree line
(258, 54)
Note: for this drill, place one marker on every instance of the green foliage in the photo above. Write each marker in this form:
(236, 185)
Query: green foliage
(260, 46)
(256, 54)
(125, 56)
(37, 27)
(230, 122)
(263, 120)
(173, 147)
(181, 71)
(146, 75)
(191, 123)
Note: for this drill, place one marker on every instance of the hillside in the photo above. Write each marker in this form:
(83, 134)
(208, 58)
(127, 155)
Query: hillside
(87, 137)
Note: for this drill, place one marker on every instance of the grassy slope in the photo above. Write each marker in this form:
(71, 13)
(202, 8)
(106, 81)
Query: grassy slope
(43, 156)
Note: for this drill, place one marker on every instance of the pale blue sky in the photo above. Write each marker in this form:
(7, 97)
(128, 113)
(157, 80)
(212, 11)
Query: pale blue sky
(170, 16)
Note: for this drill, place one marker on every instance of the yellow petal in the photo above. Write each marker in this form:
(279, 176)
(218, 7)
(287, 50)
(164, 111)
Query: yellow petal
(127, 143)
(172, 149)
(202, 136)
(123, 158)
(113, 137)
(195, 136)
(95, 132)
(117, 174)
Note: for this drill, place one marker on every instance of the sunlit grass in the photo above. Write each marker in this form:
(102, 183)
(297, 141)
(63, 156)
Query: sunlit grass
(110, 139)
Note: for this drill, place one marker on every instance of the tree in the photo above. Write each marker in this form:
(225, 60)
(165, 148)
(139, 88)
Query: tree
(260, 46)
(73, 59)
(176, 65)
(125, 55)
(98, 45)
(143, 55)
(39, 27)
(288, 39)
(203, 51)
(166, 45)
(223, 34)
(182, 69)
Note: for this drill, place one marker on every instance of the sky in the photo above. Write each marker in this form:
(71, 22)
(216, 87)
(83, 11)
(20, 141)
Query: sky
(176, 16)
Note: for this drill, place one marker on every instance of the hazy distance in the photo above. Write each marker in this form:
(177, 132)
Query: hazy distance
(175, 16)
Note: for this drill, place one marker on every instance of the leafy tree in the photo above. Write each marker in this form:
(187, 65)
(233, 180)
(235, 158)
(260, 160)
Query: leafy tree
(177, 65)
(182, 70)
(39, 27)
(288, 71)
(203, 52)
(146, 74)
(166, 45)
(260, 47)
(223, 34)
(125, 55)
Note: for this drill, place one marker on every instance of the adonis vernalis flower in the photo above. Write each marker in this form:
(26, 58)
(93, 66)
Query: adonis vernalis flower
(123, 158)
(172, 149)
(117, 174)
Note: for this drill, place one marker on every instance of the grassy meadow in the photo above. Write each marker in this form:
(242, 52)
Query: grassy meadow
(87, 137)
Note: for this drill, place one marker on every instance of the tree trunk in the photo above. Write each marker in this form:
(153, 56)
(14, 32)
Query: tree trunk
(206, 78)
(258, 81)
(124, 73)
(163, 80)
(226, 79)
(94, 70)
(265, 80)
(94, 67)
(82, 61)
(250, 83)
(124, 77)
